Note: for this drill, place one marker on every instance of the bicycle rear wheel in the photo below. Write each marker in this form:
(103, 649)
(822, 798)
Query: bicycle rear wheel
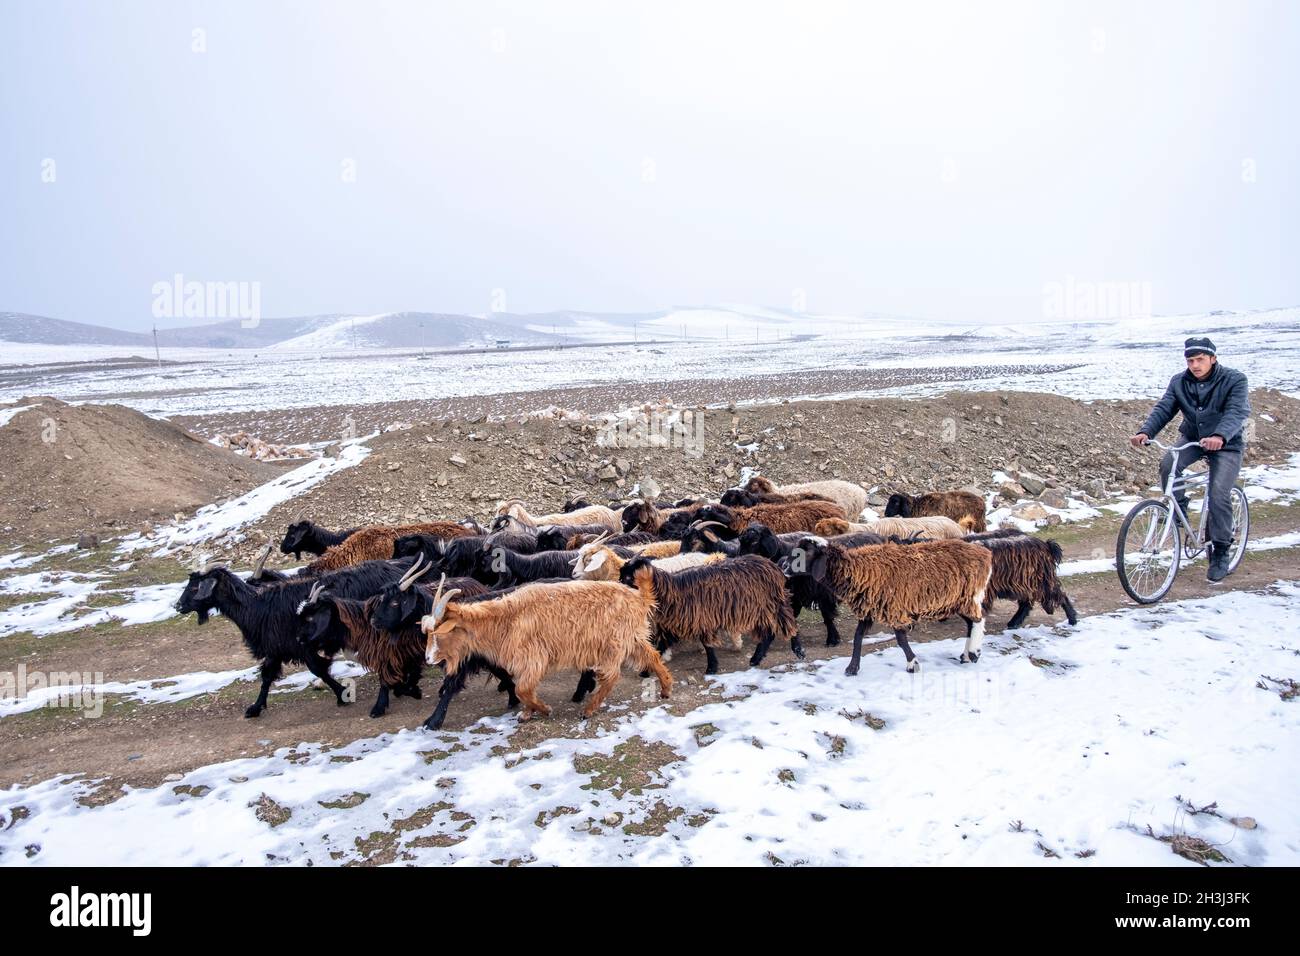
(1240, 528)
(1148, 551)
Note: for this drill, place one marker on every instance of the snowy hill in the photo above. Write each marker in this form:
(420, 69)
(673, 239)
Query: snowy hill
(20, 327)
(411, 330)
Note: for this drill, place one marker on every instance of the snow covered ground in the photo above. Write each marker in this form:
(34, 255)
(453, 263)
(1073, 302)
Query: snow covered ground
(1081, 746)
(1120, 358)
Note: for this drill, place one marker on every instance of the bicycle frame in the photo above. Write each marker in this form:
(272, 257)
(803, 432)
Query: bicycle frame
(1178, 482)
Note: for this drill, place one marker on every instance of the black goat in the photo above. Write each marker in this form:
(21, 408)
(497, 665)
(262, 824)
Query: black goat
(459, 556)
(312, 538)
(267, 616)
(804, 591)
(329, 624)
(499, 567)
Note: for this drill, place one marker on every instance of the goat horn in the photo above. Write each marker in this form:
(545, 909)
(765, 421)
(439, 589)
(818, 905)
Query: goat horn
(261, 560)
(442, 580)
(705, 524)
(440, 608)
(411, 576)
(315, 592)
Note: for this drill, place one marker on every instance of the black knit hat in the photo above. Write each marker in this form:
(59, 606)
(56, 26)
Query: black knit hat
(1198, 346)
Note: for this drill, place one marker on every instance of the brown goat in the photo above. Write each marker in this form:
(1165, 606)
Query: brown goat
(782, 519)
(744, 595)
(901, 584)
(850, 497)
(646, 516)
(375, 543)
(586, 625)
(963, 507)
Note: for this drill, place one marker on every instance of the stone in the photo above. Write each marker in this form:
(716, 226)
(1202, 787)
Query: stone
(1011, 491)
(607, 473)
(87, 541)
(1053, 498)
(458, 461)
(1030, 511)
(1032, 483)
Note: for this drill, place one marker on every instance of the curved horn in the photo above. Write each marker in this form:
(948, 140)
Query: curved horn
(315, 592)
(261, 561)
(418, 567)
(440, 608)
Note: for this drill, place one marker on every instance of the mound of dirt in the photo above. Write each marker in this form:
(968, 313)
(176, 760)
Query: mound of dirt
(107, 468)
(455, 467)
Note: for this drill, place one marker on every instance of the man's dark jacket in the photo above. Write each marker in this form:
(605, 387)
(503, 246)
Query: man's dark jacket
(1219, 406)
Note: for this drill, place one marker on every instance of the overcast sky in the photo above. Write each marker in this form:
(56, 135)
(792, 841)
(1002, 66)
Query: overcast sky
(918, 158)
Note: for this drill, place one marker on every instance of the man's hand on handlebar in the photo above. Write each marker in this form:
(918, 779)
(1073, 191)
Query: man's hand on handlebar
(1213, 443)
(1140, 439)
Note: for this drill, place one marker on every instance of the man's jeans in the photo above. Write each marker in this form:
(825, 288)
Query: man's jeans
(1224, 466)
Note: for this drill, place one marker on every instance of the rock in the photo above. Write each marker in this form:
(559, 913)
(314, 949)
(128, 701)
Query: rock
(1011, 491)
(1096, 488)
(607, 473)
(87, 541)
(1032, 483)
(650, 488)
(1053, 519)
(622, 466)
(729, 470)
(458, 460)
(394, 465)
(1029, 511)
(172, 777)
(1053, 498)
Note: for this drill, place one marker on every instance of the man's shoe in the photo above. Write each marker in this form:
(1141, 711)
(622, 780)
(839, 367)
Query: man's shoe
(1218, 563)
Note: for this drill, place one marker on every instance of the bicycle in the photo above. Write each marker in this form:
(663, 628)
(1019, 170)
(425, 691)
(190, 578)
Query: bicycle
(1156, 535)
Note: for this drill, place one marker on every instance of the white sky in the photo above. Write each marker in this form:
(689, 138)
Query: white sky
(943, 159)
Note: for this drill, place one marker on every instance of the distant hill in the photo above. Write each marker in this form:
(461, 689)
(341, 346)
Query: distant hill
(388, 330)
(41, 329)
(412, 330)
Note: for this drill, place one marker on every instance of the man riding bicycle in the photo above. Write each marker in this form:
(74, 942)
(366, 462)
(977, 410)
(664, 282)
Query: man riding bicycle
(1215, 403)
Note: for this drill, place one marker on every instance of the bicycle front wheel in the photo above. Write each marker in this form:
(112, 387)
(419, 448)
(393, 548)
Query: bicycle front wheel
(1240, 528)
(1148, 551)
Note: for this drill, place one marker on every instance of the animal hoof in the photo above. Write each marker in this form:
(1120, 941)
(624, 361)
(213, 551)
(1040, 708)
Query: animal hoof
(832, 642)
(711, 670)
(800, 653)
(851, 670)
(431, 724)
(378, 711)
(253, 711)
(970, 657)
(914, 666)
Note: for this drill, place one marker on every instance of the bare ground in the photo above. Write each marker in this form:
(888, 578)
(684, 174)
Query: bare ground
(139, 744)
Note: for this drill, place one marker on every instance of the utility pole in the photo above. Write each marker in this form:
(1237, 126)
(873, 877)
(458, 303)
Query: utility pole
(156, 353)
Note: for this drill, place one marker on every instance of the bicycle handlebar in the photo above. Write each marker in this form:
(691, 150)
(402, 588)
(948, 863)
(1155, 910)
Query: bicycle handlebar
(1161, 445)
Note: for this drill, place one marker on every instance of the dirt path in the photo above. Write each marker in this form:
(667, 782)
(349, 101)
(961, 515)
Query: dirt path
(140, 745)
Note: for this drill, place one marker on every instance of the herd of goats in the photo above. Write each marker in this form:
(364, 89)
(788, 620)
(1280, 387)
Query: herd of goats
(592, 587)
